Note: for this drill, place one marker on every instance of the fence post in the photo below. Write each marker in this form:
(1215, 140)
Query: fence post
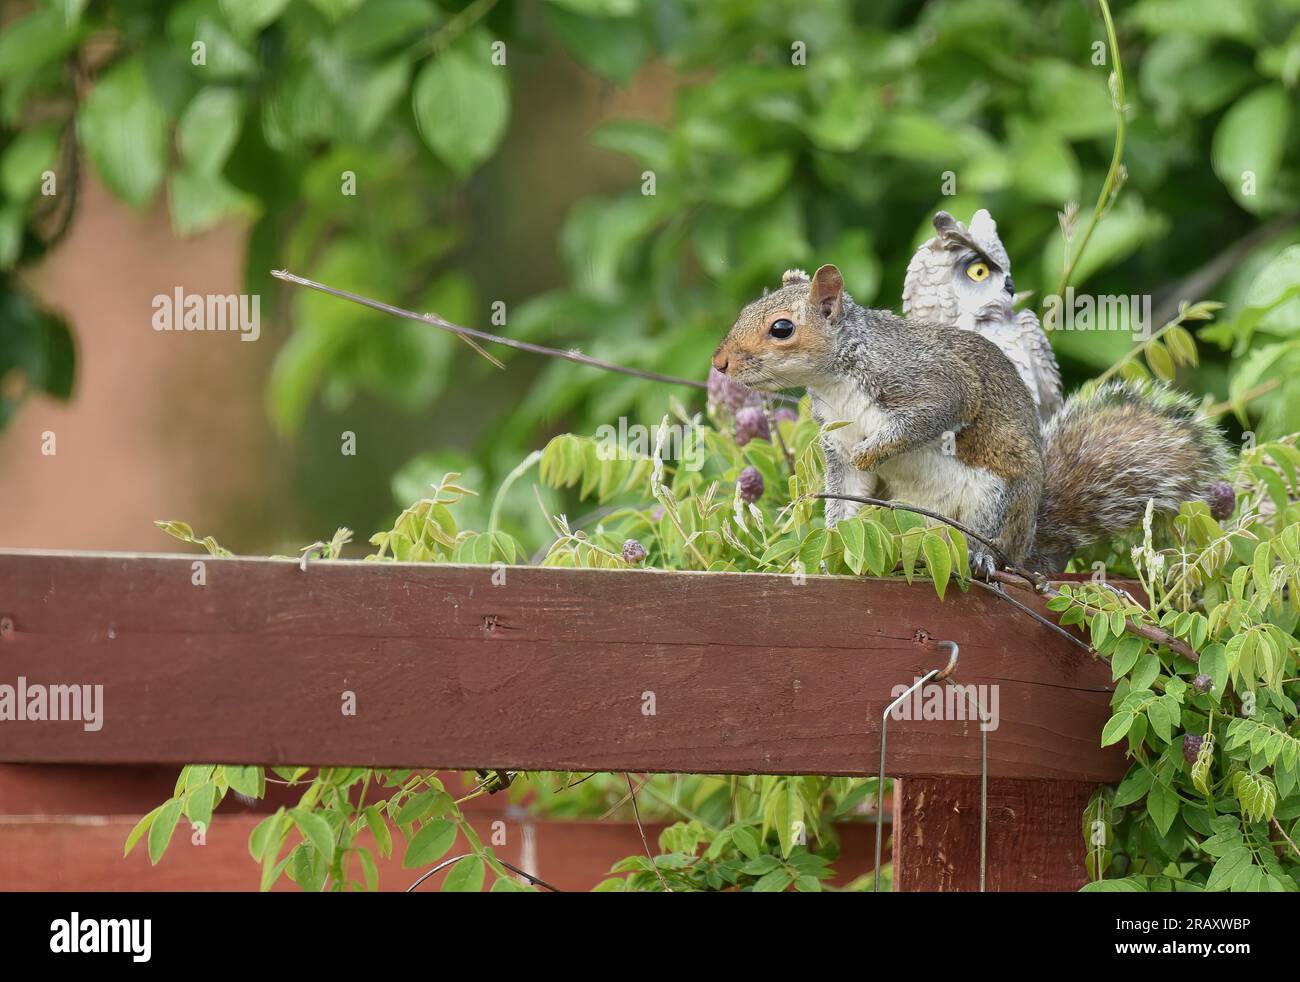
(1035, 835)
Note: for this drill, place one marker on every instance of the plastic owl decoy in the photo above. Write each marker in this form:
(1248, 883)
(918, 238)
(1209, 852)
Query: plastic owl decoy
(962, 277)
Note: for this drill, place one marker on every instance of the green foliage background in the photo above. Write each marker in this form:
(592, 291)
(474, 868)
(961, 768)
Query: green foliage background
(760, 163)
(464, 168)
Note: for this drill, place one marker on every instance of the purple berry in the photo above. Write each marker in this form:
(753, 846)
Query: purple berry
(751, 422)
(633, 552)
(1223, 499)
(750, 483)
(727, 397)
(786, 415)
(1203, 683)
(1191, 746)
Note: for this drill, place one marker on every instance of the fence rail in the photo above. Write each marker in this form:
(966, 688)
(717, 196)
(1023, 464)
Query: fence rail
(257, 661)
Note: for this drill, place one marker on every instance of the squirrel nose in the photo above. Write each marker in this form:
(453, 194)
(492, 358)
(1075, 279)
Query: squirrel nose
(720, 362)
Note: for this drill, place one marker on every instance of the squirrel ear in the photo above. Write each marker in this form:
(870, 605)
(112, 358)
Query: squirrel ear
(827, 290)
(793, 276)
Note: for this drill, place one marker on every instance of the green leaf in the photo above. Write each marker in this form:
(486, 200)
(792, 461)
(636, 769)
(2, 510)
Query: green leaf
(379, 829)
(938, 559)
(208, 129)
(1125, 884)
(368, 869)
(160, 833)
(746, 841)
(761, 865)
(1116, 727)
(1135, 784)
(1257, 795)
(1125, 656)
(430, 844)
(462, 103)
(139, 829)
(612, 46)
(1162, 806)
(265, 837)
(1248, 146)
(34, 40)
(26, 158)
(247, 17)
(316, 830)
(199, 202)
(774, 882)
(123, 131)
(379, 25)
(1100, 629)
(1157, 356)
(199, 803)
(1146, 670)
(811, 550)
(1161, 721)
(854, 538)
(644, 142)
(245, 780)
(1227, 867)
(465, 876)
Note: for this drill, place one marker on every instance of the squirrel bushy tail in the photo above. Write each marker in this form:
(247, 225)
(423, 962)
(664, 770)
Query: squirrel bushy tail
(1109, 451)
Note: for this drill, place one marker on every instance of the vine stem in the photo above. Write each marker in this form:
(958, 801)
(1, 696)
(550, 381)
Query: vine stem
(1278, 825)
(514, 475)
(1139, 349)
(1108, 186)
(468, 332)
(1027, 579)
(636, 813)
(461, 23)
(1147, 631)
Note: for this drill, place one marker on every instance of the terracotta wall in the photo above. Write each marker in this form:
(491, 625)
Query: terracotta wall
(162, 425)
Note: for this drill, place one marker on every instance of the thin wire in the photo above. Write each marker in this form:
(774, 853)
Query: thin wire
(536, 880)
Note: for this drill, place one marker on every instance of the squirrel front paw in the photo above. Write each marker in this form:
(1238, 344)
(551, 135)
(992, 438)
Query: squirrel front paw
(865, 460)
(982, 562)
(867, 457)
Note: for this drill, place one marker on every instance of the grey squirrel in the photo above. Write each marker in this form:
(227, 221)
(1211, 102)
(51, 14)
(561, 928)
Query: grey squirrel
(942, 417)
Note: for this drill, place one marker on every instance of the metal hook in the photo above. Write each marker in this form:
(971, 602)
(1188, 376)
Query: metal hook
(938, 675)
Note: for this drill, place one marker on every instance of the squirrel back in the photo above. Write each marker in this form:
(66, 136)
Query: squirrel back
(1107, 452)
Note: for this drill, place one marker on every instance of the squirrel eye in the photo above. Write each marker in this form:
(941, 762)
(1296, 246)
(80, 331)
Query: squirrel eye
(978, 271)
(782, 330)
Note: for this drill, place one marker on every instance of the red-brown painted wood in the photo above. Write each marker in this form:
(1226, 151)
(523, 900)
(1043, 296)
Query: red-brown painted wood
(550, 671)
(84, 853)
(1035, 834)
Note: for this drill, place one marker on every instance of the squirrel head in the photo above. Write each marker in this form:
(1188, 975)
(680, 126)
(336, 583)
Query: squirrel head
(784, 339)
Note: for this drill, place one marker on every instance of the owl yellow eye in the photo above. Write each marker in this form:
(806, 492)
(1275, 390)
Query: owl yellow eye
(978, 271)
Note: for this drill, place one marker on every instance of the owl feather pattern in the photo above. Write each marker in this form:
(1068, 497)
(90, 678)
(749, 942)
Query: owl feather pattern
(962, 278)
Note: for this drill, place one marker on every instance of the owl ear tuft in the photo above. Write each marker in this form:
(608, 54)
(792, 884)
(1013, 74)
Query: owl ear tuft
(983, 227)
(791, 276)
(945, 224)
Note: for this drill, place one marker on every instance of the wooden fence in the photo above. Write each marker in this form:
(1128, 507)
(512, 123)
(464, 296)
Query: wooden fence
(254, 661)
